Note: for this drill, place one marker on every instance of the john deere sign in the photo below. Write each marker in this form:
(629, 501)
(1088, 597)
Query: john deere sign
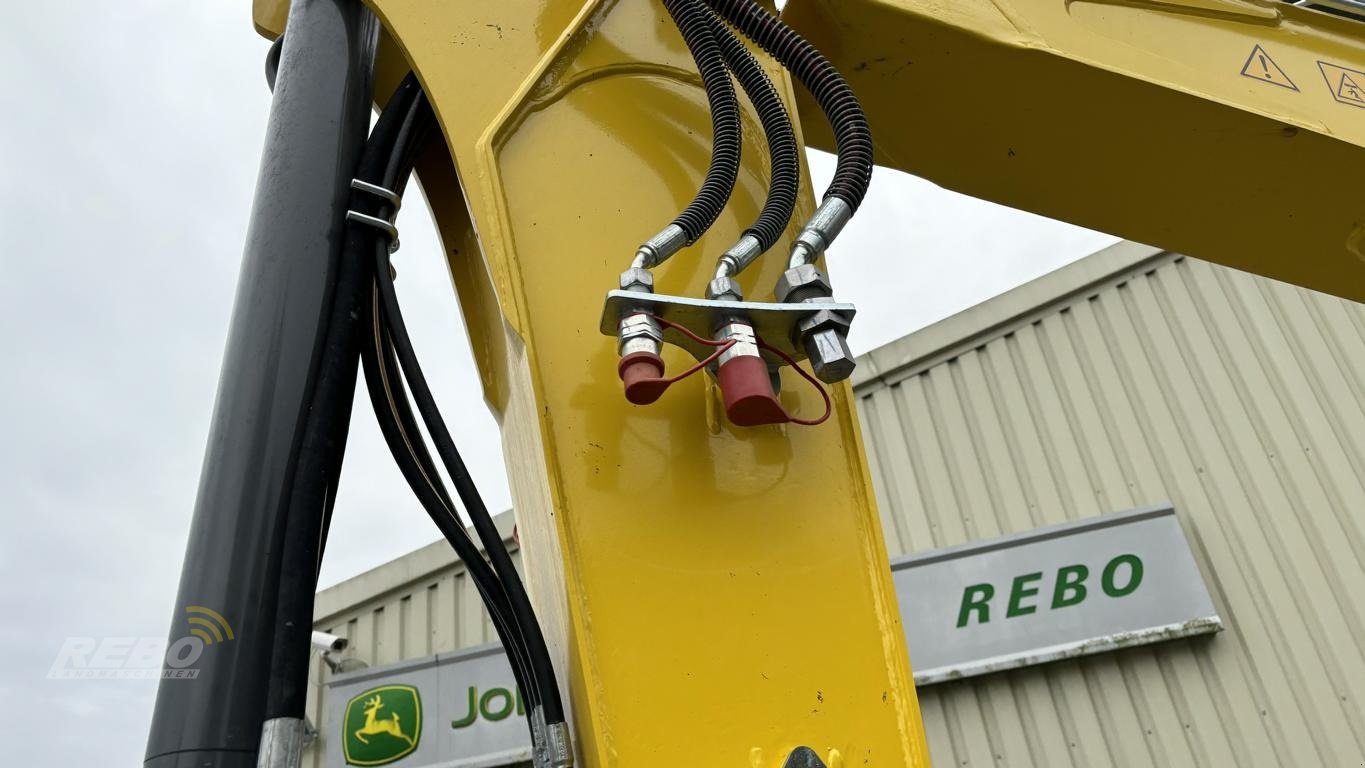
(1067, 590)
(450, 710)
(382, 725)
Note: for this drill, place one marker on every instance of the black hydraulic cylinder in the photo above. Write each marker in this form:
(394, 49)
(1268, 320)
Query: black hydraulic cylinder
(213, 696)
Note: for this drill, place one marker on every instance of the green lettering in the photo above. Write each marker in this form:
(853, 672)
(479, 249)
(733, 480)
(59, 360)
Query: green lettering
(1134, 575)
(975, 598)
(521, 704)
(468, 719)
(1019, 591)
(1070, 587)
(503, 711)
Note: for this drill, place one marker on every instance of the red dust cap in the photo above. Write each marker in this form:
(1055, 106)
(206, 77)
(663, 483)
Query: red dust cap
(748, 392)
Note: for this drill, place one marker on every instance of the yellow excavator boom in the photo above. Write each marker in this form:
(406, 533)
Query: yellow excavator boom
(717, 596)
(1230, 130)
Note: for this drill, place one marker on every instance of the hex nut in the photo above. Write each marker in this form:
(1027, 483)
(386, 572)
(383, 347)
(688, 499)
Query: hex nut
(824, 319)
(803, 283)
(724, 289)
(830, 358)
(637, 279)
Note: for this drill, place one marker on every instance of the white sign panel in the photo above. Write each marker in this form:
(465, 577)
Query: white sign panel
(452, 710)
(1068, 590)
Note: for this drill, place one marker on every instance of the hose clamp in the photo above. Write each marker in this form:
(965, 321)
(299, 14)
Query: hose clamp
(383, 225)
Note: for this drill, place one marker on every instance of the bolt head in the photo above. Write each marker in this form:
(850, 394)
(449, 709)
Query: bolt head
(830, 357)
(824, 319)
(803, 283)
(724, 289)
(637, 279)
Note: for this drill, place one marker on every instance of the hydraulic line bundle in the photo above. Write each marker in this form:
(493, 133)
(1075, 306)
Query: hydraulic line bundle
(744, 344)
(391, 371)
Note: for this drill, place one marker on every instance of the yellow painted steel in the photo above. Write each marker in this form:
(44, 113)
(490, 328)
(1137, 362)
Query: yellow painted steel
(719, 596)
(716, 596)
(1219, 128)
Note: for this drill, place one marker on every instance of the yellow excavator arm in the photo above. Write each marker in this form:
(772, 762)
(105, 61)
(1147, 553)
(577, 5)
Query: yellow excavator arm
(715, 595)
(1230, 130)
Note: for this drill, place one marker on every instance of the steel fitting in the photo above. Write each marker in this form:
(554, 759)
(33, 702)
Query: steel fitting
(724, 289)
(637, 279)
(824, 336)
(746, 342)
(639, 342)
(559, 746)
(803, 283)
(639, 332)
(825, 225)
(551, 746)
(283, 740)
(740, 255)
(657, 249)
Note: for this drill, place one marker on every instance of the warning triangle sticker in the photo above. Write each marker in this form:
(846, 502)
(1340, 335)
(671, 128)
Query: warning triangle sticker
(1349, 90)
(1261, 67)
(1347, 85)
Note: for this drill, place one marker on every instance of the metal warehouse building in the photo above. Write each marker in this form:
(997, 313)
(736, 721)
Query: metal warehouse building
(1133, 378)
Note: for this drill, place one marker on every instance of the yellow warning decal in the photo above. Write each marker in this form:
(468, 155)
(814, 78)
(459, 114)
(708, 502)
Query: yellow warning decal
(1347, 85)
(1261, 67)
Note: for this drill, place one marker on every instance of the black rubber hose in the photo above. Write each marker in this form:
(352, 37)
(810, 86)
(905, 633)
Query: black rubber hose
(522, 612)
(396, 423)
(691, 19)
(401, 421)
(783, 155)
(852, 137)
(272, 62)
(409, 449)
(322, 446)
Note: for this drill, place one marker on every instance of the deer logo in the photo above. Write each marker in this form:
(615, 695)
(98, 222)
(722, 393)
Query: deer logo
(373, 724)
(382, 725)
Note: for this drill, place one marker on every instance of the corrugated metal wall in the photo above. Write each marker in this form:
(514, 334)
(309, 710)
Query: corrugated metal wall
(1131, 377)
(1148, 377)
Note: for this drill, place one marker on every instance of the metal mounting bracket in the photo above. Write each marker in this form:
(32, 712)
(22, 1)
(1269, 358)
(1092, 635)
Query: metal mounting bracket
(775, 323)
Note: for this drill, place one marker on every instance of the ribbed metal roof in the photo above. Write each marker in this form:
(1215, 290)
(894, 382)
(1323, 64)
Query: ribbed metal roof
(1129, 378)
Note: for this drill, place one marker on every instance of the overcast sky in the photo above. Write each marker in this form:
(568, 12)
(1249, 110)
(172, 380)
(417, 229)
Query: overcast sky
(129, 152)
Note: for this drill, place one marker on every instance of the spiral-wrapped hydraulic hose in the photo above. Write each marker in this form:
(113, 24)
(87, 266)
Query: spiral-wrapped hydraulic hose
(693, 21)
(852, 138)
(783, 155)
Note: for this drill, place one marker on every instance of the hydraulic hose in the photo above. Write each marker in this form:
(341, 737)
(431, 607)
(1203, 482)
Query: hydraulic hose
(522, 614)
(399, 427)
(852, 137)
(407, 120)
(783, 155)
(322, 447)
(389, 149)
(404, 437)
(693, 22)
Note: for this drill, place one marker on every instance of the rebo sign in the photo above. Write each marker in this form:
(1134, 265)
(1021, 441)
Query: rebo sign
(1091, 586)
